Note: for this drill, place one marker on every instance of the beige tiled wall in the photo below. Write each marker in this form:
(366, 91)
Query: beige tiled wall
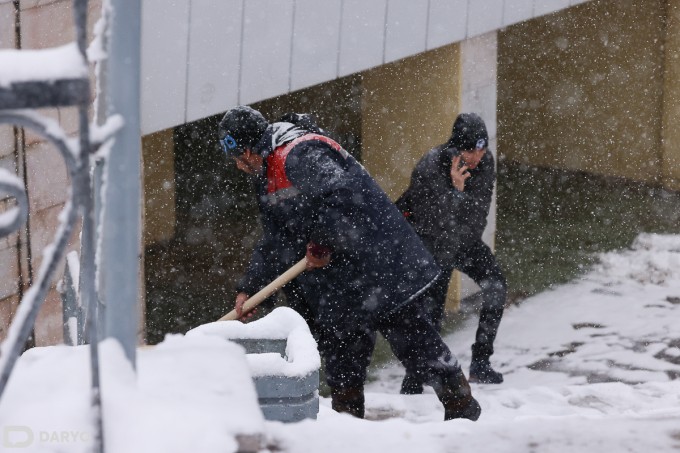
(6, 26)
(8, 307)
(9, 272)
(7, 159)
(6, 140)
(49, 24)
(49, 325)
(44, 224)
(6, 42)
(8, 255)
(48, 181)
(44, 24)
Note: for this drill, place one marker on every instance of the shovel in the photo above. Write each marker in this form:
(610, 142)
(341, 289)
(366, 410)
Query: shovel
(268, 290)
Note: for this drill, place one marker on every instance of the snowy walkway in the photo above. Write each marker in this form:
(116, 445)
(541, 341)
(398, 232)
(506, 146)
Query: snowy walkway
(589, 366)
(592, 366)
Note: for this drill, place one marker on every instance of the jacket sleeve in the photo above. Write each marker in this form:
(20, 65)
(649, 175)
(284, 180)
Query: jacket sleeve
(477, 201)
(435, 200)
(435, 204)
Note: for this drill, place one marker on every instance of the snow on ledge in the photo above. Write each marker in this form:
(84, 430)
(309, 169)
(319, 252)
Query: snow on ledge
(283, 323)
(56, 63)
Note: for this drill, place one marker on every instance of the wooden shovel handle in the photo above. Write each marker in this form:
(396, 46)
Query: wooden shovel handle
(268, 290)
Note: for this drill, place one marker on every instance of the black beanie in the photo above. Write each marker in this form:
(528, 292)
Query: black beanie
(469, 132)
(241, 128)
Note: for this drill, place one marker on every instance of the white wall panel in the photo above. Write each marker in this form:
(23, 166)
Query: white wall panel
(484, 16)
(200, 58)
(316, 42)
(164, 57)
(481, 51)
(406, 28)
(447, 22)
(516, 11)
(577, 2)
(482, 100)
(267, 38)
(214, 57)
(362, 35)
(542, 7)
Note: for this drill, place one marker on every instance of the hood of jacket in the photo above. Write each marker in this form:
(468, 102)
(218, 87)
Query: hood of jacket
(278, 134)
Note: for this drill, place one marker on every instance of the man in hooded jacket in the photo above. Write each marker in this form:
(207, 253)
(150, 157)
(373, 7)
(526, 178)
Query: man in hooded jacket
(447, 203)
(367, 270)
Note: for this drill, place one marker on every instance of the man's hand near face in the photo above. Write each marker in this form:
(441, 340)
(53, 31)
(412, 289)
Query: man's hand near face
(459, 173)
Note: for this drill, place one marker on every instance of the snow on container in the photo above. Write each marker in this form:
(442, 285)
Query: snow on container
(284, 362)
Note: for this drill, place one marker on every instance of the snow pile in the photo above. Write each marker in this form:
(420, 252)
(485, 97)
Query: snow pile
(189, 394)
(653, 259)
(283, 323)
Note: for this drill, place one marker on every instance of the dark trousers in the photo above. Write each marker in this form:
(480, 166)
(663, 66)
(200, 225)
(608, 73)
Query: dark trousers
(477, 261)
(413, 339)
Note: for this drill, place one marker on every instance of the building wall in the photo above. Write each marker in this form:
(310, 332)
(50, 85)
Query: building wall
(159, 187)
(478, 93)
(387, 116)
(583, 89)
(202, 57)
(671, 103)
(335, 104)
(9, 264)
(407, 107)
(42, 25)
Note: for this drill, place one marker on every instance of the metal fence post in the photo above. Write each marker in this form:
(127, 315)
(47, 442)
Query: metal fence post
(121, 241)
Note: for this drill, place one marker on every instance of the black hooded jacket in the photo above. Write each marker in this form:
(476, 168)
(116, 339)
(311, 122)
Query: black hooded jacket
(378, 263)
(445, 218)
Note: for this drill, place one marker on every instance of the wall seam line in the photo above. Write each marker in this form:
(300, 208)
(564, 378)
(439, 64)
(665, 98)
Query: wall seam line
(188, 65)
(240, 53)
(292, 49)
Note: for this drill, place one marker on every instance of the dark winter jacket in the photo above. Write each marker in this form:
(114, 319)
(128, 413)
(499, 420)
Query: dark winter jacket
(322, 195)
(445, 218)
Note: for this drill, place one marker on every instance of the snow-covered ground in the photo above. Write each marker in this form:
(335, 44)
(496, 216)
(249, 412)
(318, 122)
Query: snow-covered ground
(593, 365)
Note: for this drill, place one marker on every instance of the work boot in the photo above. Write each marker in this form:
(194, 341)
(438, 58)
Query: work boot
(480, 367)
(456, 396)
(482, 373)
(411, 385)
(349, 400)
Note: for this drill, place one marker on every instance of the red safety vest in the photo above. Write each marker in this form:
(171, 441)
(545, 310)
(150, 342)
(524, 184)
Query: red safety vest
(276, 161)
